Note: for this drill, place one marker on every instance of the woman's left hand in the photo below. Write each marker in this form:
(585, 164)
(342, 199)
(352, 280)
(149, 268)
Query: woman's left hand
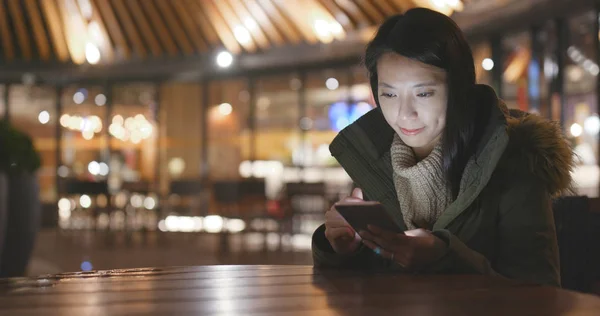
(412, 249)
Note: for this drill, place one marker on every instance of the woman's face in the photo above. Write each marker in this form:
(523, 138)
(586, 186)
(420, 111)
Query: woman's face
(413, 97)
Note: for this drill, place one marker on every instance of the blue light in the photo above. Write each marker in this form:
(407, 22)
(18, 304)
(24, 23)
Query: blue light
(534, 79)
(338, 114)
(86, 266)
(359, 110)
(84, 91)
(341, 114)
(341, 123)
(338, 109)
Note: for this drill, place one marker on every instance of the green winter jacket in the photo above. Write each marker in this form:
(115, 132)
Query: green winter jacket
(501, 224)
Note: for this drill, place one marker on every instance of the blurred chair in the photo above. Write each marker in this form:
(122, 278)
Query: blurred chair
(188, 197)
(577, 222)
(75, 189)
(253, 202)
(142, 208)
(138, 187)
(240, 198)
(227, 198)
(305, 205)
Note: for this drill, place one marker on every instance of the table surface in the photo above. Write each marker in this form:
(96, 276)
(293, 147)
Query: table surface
(280, 290)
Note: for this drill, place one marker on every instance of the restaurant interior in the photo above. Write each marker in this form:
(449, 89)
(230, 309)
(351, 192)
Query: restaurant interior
(196, 132)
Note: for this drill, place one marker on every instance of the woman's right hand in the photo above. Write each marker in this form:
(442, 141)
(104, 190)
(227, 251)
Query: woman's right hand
(341, 236)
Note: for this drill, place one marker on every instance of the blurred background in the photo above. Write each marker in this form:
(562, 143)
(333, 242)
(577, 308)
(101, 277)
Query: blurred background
(188, 132)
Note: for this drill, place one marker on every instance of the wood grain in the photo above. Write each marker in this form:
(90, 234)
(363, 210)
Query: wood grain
(38, 29)
(14, 9)
(7, 42)
(281, 290)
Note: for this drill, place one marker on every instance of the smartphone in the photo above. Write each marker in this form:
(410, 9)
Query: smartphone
(361, 214)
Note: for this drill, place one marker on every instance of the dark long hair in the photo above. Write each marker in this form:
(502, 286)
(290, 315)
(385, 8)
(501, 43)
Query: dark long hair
(434, 39)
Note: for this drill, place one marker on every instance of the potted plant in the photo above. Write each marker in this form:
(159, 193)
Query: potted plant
(19, 162)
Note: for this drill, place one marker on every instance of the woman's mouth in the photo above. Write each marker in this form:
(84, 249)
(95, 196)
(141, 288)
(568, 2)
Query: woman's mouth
(411, 132)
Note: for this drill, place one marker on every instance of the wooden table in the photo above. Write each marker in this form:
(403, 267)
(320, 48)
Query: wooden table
(280, 290)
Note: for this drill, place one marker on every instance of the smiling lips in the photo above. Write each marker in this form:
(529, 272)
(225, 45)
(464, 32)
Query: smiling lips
(411, 132)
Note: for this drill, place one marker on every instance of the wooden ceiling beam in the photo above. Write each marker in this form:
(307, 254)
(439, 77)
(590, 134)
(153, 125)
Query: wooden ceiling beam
(300, 15)
(250, 23)
(129, 27)
(106, 45)
(354, 12)
(265, 23)
(14, 7)
(204, 25)
(38, 29)
(145, 27)
(280, 21)
(370, 10)
(389, 7)
(185, 15)
(75, 30)
(404, 5)
(223, 31)
(232, 20)
(107, 16)
(55, 28)
(7, 42)
(339, 15)
(172, 23)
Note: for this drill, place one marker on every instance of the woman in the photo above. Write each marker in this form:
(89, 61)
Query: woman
(469, 181)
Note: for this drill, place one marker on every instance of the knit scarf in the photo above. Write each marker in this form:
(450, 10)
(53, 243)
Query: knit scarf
(422, 191)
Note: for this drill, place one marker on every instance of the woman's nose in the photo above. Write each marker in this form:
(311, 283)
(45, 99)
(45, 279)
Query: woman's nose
(407, 112)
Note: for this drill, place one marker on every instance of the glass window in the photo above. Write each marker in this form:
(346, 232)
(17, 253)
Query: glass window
(180, 128)
(328, 110)
(482, 55)
(134, 135)
(277, 119)
(229, 141)
(84, 159)
(83, 133)
(32, 110)
(549, 106)
(517, 56)
(580, 111)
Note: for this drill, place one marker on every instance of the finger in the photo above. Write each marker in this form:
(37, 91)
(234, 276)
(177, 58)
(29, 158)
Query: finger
(378, 231)
(339, 232)
(417, 232)
(383, 252)
(357, 193)
(350, 200)
(385, 243)
(335, 216)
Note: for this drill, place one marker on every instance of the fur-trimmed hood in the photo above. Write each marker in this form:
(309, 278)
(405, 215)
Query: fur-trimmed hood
(538, 147)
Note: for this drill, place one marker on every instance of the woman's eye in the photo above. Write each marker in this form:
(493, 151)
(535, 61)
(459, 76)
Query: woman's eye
(425, 94)
(387, 95)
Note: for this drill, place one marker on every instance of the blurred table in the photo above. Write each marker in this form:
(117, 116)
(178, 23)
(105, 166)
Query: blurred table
(280, 290)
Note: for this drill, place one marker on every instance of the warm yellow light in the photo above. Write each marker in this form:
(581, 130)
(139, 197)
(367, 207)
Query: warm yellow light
(87, 134)
(117, 119)
(241, 34)
(92, 53)
(576, 130)
(44, 117)
(64, 120)
(224, 59)
(225, 109)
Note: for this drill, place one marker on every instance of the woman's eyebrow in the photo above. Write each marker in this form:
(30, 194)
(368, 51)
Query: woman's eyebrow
(425, 84)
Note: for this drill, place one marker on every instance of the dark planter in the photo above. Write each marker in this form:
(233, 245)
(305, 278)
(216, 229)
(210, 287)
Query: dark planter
(24, 215)
(3, 210)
